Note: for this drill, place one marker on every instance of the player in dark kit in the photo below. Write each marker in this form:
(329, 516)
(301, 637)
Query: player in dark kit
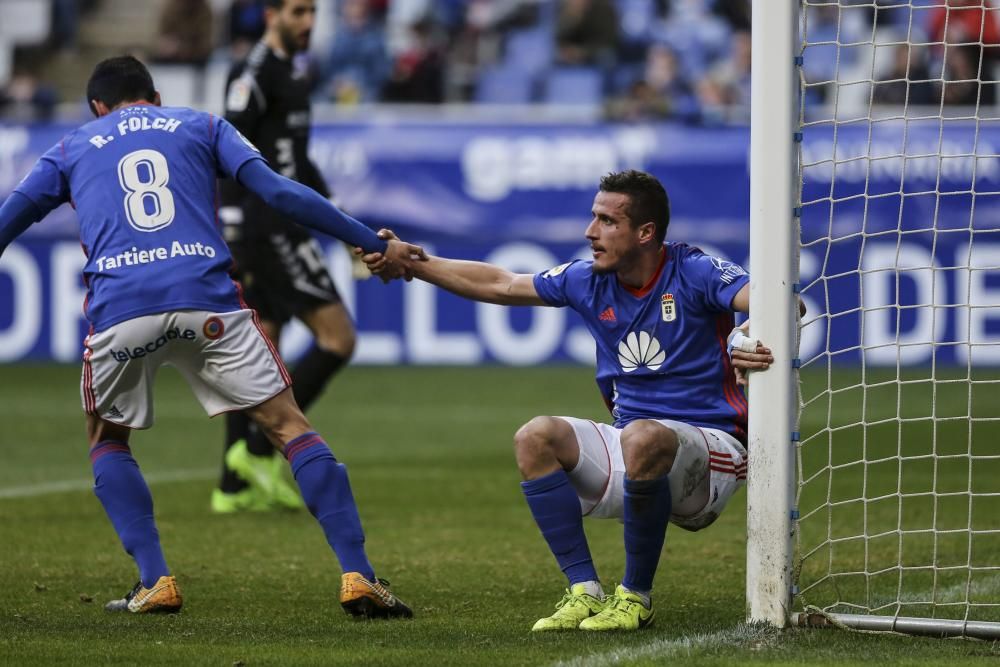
(279, 264)
(142, 179)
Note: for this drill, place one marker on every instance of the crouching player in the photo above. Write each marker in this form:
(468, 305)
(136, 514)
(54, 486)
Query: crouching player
(660, 313)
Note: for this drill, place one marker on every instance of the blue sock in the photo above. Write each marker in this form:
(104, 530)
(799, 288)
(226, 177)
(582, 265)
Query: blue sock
(119, 486)
(647, 511)
(556, 509)
(327, 492)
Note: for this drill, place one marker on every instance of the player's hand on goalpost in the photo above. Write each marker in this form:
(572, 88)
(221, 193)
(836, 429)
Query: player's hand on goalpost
(747, 353)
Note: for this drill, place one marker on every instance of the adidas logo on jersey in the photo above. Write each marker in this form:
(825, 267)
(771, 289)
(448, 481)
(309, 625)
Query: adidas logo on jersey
(114, 412)
(608, 315)
(640, 350)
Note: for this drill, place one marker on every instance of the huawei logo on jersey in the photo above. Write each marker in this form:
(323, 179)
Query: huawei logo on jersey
(640, 350)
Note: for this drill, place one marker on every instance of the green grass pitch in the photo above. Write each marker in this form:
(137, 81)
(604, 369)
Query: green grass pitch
(429, 452)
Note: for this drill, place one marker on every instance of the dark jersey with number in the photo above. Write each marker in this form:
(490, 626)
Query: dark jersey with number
(267, 99)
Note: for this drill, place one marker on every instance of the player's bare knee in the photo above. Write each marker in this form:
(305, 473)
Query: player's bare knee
(648, 449)
(535, 444)
(99, 430)
(280, 419)
(340, 342)
(333, 329)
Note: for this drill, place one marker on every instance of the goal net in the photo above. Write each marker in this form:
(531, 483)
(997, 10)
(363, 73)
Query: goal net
(896, 515)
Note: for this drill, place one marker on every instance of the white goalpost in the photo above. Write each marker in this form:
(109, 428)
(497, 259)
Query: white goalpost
(773, 263)
(873, 486)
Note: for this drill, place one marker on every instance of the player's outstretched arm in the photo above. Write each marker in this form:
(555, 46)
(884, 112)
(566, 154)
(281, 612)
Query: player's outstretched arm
(478, 281)
(308, 208)
(16, 215)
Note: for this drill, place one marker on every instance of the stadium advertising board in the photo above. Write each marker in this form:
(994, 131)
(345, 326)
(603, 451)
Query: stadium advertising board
(520, 196)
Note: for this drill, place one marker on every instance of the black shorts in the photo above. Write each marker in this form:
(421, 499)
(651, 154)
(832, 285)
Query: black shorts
(283, 273)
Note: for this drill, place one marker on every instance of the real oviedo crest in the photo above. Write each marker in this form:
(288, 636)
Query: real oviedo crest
(668, 308)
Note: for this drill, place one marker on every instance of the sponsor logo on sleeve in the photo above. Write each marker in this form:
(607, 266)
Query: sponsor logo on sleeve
(247, 141)
(728, 272)
(555, 271)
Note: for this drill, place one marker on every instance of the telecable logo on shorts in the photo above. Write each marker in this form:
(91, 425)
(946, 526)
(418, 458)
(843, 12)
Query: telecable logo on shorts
(152, 346)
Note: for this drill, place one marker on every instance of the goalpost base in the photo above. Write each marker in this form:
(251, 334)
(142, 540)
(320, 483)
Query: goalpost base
(927, 627)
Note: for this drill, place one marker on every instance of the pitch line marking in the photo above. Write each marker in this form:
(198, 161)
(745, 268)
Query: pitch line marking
(67, 485)
(741, 635)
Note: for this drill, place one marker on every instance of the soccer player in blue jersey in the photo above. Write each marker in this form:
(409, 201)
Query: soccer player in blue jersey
(660, 313)
(142, 179)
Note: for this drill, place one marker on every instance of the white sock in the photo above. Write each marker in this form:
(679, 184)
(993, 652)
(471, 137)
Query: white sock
(644, 595)
(592, 588)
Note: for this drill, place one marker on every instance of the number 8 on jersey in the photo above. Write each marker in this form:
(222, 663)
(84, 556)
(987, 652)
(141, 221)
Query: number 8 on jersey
(144, 175)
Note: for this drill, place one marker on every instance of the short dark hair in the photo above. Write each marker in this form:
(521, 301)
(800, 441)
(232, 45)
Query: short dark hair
(119, 79)
(648, 201)
(276, 4)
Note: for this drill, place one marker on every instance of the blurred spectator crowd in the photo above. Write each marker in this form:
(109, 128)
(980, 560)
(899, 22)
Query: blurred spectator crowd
(635, 59)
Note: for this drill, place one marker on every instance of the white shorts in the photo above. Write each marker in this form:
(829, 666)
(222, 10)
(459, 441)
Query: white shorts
(225, 357)
(709, 467)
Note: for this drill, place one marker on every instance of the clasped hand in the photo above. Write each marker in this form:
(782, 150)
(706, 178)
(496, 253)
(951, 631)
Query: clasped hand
(396, 262)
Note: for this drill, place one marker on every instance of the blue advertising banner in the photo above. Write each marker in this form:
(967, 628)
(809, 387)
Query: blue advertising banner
(520, 196)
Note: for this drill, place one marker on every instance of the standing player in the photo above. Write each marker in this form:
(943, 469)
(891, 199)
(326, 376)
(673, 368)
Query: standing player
(660, 313)
(142, 179)
(279, 264)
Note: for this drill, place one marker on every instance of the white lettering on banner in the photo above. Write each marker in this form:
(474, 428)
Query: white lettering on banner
(938, 297)
(340, 159)
(372, 347)
(424, 345)
(68, 294)
(812, 338)
(543, 337)
(22, 334)
(973, 323)
(494, 167)
(883, 265)
(948, 159)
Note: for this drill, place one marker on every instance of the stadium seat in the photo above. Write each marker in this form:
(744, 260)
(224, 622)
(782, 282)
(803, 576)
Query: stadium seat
(637, 18)
(500, 85)
(574, 85)
(530, 51)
